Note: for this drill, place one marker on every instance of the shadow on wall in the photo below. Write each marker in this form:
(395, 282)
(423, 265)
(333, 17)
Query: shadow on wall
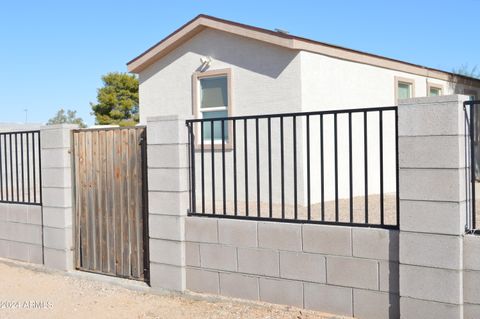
(394, 274)
(252, 55)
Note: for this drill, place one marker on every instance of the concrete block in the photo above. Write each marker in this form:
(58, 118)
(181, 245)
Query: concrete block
(205, 281)
(57, 197)
(168, 179)
(239, 286)
(18, 213)
(58, 259)
(471, 311)
(285, 292)
(3, 212)
(430, 118)
(441, 251)
(240, 233)
(352, 272)
(57, 217)
(415, 309)
(303, 266)
(331, 299)
(375, 243)
(5, 230)
(34, 215)
(433, 284)
(58, 238)
(56, 137)
(26, 233)
(167, 277)
(166, 227)
(433, 184)
(375, 305)
(203, 230)
(431, 151)
(331, 240)
(167, 252)
(281, 236)
(56, 177)
(35, 254)
(192, 254)
(168, 203)
(219, 257)
(389, 276)
(167, 156)
(471, 252)
(166, 130)
(18, 251)
(432, 217)
(471, 287)
(56, 158)
(4, 244)
(258, 261)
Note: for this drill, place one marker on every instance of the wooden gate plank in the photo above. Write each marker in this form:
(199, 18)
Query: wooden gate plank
(125, 198)
(117, 202)
(102, 193)
(110, 199)
(76, 161)
(132, 194)
(90, 202)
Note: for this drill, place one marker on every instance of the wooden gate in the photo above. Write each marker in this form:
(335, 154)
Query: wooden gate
(110, 201)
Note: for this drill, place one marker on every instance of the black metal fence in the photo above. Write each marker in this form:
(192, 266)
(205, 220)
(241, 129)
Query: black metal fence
(472, 159)
(336, 167)
(20, 163)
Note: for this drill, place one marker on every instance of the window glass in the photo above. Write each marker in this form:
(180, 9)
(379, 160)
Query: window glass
(217, 126)
(435, 91)
(404, 90)
(213, 92)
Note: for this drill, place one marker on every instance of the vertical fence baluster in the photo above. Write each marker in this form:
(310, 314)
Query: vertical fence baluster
(40, 168)
(21, 156)
(270, 212)
(380, 128)
(397, 171)
(28, 166)
(257, 153)
(1, 168)
(223, 170)
(335, 142)
(11, 168)
(350, 166)
(322, 181)
(282, 164)
(202, 152)
(472, 163)
(245, 147)
(212, 149)
(235, 208)
(295, 199)
(309, 213)
(365, 153)
(16, 167)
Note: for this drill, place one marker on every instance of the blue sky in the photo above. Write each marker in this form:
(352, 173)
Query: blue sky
(53, 53)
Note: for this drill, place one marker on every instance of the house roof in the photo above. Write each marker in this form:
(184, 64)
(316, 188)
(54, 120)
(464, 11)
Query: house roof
(201, 22)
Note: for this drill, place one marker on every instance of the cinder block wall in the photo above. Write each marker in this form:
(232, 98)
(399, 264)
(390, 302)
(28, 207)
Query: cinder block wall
(471, 276)
(21, 232)
(349, 271)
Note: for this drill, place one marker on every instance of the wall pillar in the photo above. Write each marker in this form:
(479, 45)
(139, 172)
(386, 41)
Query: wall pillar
(57, 195)
(168, 193)
(432, 206)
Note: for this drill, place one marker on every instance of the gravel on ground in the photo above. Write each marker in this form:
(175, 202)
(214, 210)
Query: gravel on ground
(28, 292)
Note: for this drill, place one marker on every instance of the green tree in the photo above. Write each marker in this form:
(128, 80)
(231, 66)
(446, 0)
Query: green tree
(68, 117)
(117, 100)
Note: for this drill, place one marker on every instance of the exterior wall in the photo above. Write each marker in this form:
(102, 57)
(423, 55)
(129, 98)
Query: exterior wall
(21, 232)
(471, 276)
(342, 270)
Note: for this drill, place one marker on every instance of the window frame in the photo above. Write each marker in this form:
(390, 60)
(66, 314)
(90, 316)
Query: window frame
(434, 86)
(196, 110)
(399, 80)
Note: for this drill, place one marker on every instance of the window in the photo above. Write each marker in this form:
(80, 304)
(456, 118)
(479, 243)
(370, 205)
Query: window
(404, 88)
(434, 89)
(212, 100)
(471, 93)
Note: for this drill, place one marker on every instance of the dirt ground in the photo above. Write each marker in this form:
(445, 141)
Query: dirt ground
(26, 293)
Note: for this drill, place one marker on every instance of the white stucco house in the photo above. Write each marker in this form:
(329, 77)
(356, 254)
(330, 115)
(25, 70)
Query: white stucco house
(211, 67)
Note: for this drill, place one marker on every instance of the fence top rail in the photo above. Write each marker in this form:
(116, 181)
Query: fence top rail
(108, 128)
(296, 114)
(18, 132)
(472, 102)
